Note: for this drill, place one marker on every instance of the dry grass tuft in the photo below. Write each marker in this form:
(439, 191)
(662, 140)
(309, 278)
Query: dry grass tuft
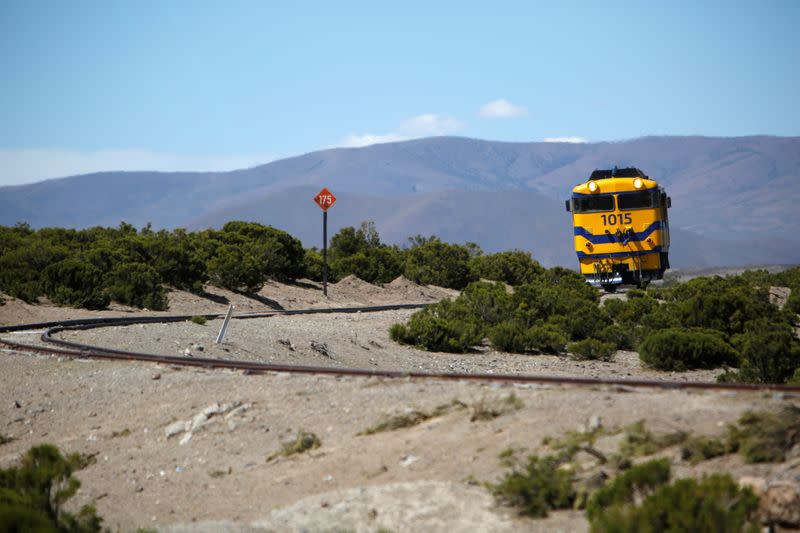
(485, 409)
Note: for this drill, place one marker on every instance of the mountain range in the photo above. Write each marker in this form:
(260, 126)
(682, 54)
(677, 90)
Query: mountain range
(734, 199)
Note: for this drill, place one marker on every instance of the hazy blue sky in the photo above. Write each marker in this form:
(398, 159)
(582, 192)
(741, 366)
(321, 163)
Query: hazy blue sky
(217, 85)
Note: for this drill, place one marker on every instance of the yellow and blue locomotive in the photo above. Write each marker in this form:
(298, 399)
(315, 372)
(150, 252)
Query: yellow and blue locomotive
(621, 228)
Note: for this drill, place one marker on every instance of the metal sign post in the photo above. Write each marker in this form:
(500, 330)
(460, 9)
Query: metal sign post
(224, 328)
(325, 253)
(325, 200)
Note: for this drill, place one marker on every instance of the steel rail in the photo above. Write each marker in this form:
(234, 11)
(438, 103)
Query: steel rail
(83, 351)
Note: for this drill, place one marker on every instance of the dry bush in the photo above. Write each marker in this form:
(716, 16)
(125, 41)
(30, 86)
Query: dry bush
(303, 442)
(766, 436)
(485, 409)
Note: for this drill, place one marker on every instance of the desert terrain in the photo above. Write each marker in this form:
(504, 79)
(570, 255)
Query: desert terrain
(180, 449)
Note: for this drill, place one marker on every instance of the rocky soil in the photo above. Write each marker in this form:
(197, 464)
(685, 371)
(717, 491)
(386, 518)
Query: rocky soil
(197, 450)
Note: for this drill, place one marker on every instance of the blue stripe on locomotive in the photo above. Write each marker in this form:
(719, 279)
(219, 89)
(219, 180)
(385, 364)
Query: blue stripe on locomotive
(608, 238)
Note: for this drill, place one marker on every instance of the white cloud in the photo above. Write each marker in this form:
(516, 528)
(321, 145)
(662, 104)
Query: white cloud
(502, 108)
(26, 166)
(574, 140)
(430, 125)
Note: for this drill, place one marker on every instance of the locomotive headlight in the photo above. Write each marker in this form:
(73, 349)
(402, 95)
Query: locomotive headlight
(637, 183)
(592, 186)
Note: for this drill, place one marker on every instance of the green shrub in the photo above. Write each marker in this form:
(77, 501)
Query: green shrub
(766, 436)
(723, 304)
(279, 254)
(621, 337)
(630, 312)
(178, 259)
(33, 494)
(359, 252)
(639, 441)
(432, 262)
(487, 304)
(75, 283)
(769, 351)
(592, 349)
(237, 267)
(313, 264)
(630, 486)
(714, 503)
(697, 449)
(509, 337)
(635, 293)
(21, 268)
(200, 320)
(793, 302)
(546, 338)
(514, 267)
(585, 320)
(137, 284)
(440, 327)
(375, 265)
(536, 487)
(677, 349)
(350, 241)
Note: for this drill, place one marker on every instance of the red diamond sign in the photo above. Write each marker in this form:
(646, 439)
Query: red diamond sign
(325, 199)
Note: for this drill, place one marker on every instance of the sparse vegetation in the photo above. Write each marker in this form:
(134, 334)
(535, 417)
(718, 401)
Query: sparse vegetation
(641, 497)
(697, 449)
(713, 503)
(303, 442)
(200, 320)
(412, 417)
(630, 486)
(397, 421)
(220, 473)
(34, 492)
(766, 436)
(534, 487)
(489, 409)
(123, 433)
(638, 441)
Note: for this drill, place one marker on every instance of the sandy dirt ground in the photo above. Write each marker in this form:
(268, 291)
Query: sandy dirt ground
(181, 449)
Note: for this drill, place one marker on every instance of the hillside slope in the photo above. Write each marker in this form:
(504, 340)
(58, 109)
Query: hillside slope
(737, 195)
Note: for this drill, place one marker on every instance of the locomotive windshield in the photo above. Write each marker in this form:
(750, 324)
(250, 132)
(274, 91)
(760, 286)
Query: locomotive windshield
(593, 204)
(638, 200)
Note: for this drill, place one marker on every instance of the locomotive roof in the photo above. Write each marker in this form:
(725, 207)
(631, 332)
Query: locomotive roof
(630, 172)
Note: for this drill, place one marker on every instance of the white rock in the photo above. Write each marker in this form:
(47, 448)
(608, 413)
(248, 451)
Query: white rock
(186, 438)
(175, 428)
(409, 460)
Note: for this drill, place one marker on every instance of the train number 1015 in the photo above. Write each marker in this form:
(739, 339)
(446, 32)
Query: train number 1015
(612, 219)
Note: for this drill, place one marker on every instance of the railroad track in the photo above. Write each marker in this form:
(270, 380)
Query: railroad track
(60, 347)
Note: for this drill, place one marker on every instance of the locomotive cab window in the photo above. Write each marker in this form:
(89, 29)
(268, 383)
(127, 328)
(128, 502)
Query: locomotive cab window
(593, 204)
(639, 200)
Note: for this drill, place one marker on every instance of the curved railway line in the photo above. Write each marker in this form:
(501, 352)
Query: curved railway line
(56, 346)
